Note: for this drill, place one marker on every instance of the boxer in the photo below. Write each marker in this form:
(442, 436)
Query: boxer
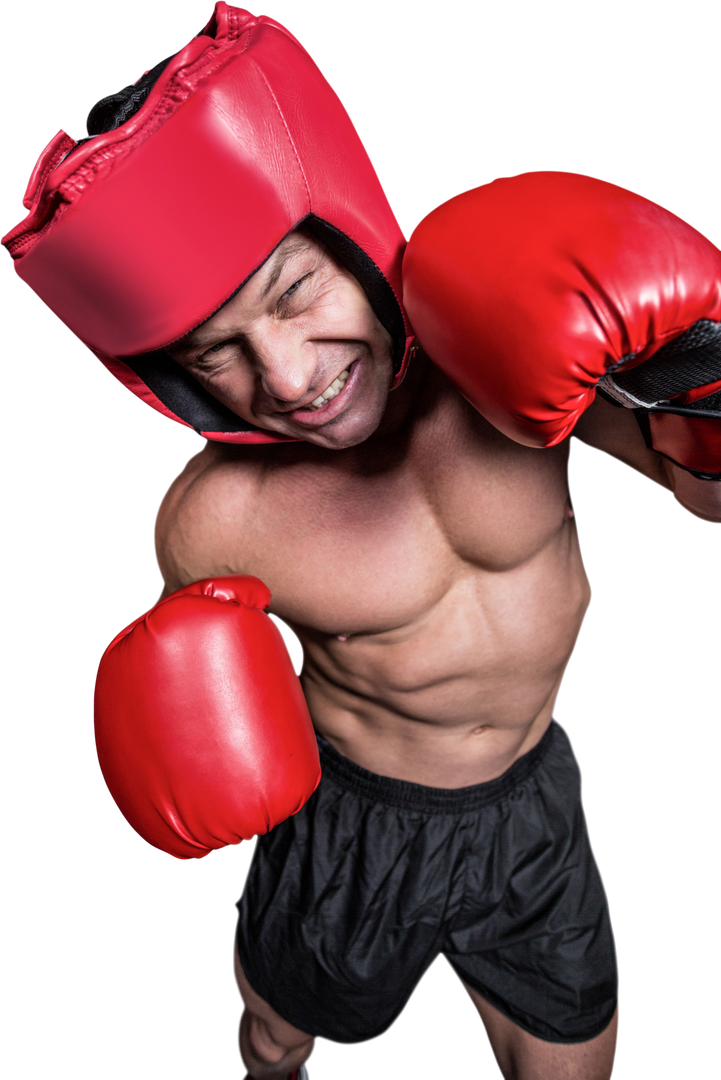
(223, 245)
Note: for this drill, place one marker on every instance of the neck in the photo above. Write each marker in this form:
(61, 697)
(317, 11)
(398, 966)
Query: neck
(403, 401)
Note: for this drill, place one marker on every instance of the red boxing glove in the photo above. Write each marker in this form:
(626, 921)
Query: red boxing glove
(202, 729)
(533, 291)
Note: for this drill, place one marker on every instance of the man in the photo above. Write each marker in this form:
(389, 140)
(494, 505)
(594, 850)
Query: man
(431, 569)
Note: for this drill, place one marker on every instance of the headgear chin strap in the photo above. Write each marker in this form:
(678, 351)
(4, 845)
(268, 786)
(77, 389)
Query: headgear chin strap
(136, 236)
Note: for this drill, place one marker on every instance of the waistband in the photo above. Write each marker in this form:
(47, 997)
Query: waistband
(402, 793)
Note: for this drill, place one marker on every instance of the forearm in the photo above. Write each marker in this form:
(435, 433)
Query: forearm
(701, 497)
(616, 432)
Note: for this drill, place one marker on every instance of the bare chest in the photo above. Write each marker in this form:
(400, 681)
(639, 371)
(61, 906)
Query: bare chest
(371, 539)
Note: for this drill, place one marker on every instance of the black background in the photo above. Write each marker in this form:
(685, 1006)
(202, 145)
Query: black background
(119, 959)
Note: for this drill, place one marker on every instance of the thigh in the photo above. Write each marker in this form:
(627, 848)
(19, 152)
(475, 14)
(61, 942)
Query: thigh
(281, 1032)
(522, 1056)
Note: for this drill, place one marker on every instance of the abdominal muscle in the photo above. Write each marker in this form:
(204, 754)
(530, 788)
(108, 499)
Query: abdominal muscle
(456, 696)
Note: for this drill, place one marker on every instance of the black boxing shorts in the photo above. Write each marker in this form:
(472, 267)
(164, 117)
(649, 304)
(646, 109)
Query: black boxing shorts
(349, 901)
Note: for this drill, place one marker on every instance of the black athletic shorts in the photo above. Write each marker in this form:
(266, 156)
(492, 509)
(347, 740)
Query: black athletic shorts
(349, 901)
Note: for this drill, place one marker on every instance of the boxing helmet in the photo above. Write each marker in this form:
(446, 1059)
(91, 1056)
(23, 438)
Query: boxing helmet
(137, 235)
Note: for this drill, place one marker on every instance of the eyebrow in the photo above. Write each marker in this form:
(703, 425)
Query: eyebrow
(195, 338)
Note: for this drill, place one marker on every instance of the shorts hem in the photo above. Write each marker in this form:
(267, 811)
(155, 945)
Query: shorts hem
(527, 1025)
(316, 1030)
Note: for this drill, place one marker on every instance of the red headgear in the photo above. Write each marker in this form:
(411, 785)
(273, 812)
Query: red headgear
(138, 235)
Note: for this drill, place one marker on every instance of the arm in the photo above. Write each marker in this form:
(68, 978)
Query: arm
(193, 537)
(202, 729)
(616, 432)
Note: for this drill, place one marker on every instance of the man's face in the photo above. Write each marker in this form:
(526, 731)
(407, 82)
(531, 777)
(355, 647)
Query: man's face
(300, 332)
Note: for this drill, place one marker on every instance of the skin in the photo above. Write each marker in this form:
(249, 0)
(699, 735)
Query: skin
(429, 565)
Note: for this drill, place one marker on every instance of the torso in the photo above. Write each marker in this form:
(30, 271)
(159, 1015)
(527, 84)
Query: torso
(433, 577)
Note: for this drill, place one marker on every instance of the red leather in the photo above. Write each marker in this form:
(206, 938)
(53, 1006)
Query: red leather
(202, 729)
(527, 290)
(694, 442)
(144, 232)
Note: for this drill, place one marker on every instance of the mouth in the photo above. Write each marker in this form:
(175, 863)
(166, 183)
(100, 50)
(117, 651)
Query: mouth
(330, 402)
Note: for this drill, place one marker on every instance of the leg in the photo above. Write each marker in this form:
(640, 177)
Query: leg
(522, 1056)
(270, 1047)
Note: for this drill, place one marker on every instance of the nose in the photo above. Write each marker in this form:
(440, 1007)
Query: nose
(285, 363)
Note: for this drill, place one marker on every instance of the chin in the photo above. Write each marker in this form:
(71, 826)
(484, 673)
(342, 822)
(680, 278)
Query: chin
(341, 436)
(348, 429)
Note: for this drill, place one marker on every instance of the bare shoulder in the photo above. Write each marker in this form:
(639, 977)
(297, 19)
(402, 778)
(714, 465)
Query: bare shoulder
(201, 514)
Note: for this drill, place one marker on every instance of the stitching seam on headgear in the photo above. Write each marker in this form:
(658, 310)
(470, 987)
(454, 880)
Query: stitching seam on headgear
(287, 131)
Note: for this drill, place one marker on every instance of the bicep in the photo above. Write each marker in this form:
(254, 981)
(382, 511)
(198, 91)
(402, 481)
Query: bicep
(167, 552)
(177, 535)
(203, 519)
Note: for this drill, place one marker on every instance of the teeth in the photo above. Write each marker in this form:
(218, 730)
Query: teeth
(333, 390)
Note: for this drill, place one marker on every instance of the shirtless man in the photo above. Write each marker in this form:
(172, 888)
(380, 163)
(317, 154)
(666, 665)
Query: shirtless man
(440, 669)
(430, 567)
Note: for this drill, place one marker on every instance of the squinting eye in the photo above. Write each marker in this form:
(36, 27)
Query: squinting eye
(216, 348)
(296, 285)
